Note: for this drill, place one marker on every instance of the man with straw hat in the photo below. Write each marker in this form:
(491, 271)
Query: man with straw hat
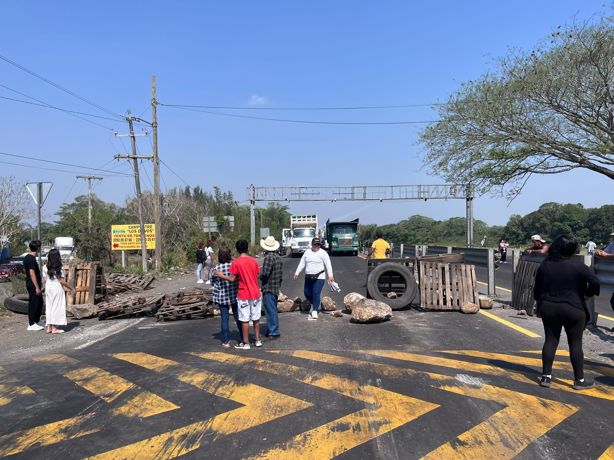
(270, 280)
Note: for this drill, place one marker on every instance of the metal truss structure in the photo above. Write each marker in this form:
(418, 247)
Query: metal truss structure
(363, 193)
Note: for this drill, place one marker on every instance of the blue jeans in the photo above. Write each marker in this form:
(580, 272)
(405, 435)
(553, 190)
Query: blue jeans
(269, 300)
(199, 269)
(225, 315)
(312, 291)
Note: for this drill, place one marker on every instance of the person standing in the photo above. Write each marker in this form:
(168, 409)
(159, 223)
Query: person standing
(270, 278)
(590, 247)
(562, 282)
(225, 294)
(316, 263)
(244, 269)
(33, 285)
(208, 261)
(503, 245)
(380, 248)
(55, 296)
(608, 251)
(200, 260)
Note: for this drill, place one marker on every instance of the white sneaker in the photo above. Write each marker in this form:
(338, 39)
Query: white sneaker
(41, 323)
(313, 316)
(258, 343)
(35, 327)
(200, 281)
(207, 282)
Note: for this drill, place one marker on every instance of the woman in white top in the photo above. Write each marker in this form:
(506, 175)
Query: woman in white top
(55, 297)
(208, 261)
(316, 263)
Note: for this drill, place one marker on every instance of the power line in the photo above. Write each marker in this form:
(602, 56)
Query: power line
(55, 169)
(87, 168)
(359, 107)
(73, 113)
(312, 122)
(177, 175)
(55, 85)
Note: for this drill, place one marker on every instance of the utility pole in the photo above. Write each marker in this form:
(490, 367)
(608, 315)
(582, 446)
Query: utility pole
(89, 198)
(156, 174)
(130, 119)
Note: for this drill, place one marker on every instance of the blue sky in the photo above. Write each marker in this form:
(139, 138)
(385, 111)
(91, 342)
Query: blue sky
(264, 54)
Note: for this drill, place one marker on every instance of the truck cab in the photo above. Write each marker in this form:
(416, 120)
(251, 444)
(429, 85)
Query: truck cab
(304, 229)
(342, 237)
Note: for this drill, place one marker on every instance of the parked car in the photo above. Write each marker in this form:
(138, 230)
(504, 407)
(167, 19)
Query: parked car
(7, 271)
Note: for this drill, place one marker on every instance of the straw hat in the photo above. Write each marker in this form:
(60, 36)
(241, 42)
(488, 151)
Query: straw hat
(269, 243)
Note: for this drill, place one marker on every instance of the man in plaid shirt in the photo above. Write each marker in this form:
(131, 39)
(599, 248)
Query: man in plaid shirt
(270, 280)
(225, 294)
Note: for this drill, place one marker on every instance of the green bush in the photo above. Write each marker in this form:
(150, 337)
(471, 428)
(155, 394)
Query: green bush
(18, 283)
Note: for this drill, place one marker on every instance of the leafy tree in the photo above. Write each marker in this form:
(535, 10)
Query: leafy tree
(90, 243)
(544, 112)
(15, 205)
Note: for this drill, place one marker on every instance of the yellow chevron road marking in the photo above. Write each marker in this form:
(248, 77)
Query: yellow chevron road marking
(496, 437)
(109, 387)
(509, 324)
(44, 435)
(599, 391)
(259, 405)
(386, 411)
(557, 384)
(608, 454)
(9, 390)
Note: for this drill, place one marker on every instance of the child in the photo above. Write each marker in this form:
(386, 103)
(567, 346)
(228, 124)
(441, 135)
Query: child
(225, 294)
(55, 298)
(245, 270)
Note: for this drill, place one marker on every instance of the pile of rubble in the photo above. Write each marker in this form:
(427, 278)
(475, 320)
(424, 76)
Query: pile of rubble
(130, 307)
(121, 282)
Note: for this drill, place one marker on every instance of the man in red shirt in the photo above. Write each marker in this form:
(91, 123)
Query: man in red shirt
(245, 270)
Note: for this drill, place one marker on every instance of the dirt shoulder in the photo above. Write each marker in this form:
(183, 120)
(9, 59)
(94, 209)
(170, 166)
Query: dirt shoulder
(16, 343)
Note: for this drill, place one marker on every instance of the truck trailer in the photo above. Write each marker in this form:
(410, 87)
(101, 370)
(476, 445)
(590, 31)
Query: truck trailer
(342, 237)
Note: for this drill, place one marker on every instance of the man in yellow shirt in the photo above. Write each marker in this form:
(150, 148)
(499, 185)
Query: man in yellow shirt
(380, 247)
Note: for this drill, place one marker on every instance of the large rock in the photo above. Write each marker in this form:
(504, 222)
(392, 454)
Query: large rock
(286, 306)
(328, 304)
(281, 297)
(352, 299)
(469, 308)
(80, 311)
(370, 311)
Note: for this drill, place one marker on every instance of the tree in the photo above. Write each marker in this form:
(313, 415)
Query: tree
(546, 112)
(15, 205)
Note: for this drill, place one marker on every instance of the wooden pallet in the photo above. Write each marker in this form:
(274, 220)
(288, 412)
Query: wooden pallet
(88, 281)
(188, 311)
(131, 307)
(121, 282)
(522, 289)
(447, 286)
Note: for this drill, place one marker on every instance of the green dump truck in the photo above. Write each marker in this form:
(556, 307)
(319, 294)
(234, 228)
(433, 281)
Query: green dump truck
(342, 237)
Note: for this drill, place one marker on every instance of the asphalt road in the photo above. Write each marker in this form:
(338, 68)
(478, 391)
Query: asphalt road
(425, 384)
(504, 281)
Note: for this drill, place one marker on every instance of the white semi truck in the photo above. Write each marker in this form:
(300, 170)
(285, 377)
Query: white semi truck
(66, 246)
(303, 228)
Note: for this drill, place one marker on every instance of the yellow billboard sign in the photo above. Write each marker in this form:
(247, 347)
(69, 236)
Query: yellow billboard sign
(128, 237)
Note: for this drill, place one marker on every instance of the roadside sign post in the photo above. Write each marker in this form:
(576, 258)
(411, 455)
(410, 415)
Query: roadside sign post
(128, 238)
(39, 192)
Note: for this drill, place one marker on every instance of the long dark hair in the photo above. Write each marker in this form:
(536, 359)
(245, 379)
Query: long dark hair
(563, 247)
(54, 264)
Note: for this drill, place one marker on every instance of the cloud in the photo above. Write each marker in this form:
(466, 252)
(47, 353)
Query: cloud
(254, 99)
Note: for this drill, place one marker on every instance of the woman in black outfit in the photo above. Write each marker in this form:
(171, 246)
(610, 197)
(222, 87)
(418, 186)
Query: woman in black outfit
(561, 285)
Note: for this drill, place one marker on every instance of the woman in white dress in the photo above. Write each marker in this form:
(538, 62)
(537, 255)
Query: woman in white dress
(55, 297)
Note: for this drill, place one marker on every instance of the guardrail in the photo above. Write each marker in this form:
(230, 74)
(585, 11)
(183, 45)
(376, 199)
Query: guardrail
(604, 269)
(428, 250)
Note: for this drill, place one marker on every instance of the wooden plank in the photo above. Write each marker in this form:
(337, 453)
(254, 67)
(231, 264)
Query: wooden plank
(454, 287)
(93, 276)
(439, 281)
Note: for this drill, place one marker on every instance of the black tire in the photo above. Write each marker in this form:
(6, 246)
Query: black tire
(391, 277)
(17, 304)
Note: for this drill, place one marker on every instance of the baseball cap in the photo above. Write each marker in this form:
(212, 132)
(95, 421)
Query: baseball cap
(316, 241)
(538, 238)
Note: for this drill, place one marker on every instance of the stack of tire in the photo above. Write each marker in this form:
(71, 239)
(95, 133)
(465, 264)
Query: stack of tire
(405, 298)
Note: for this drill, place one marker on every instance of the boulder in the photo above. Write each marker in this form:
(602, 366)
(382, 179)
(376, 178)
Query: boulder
(286, 306)
(336, 314)
(84, 310)
(352, 299)
(370, 311)
(469, 308)
(328, 304)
